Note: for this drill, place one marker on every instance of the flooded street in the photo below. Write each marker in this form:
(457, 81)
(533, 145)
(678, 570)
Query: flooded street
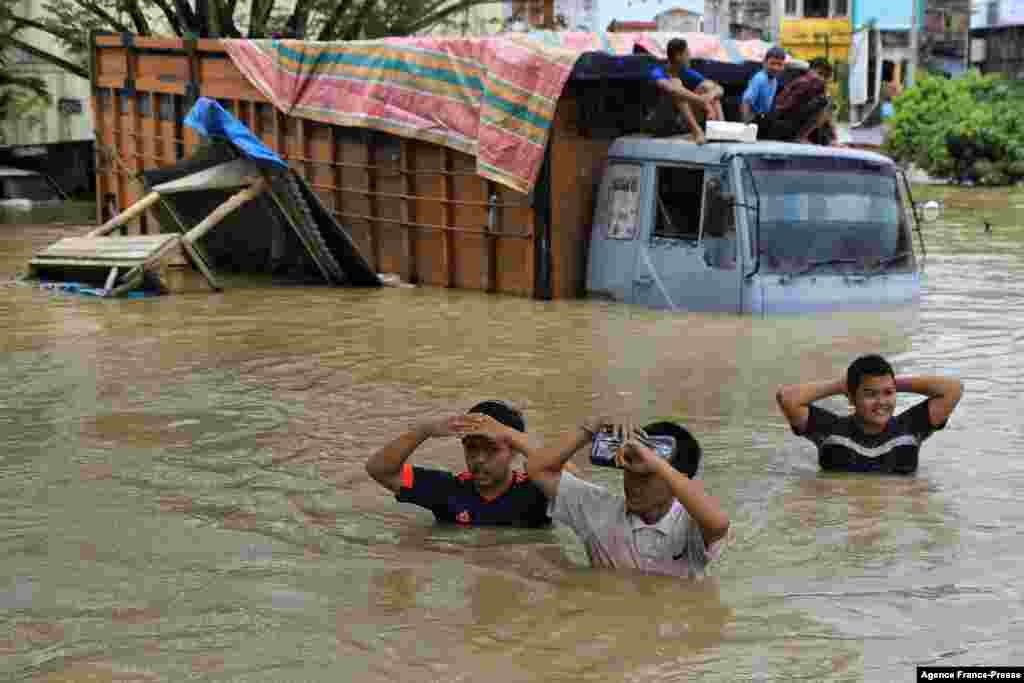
(183, 493)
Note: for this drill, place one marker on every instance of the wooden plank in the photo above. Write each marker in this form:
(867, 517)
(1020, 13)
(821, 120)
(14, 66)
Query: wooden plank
(469, 248)
(136, 126)
(110, 252)
(198, 260)
(576, 164)
(80, 247)
(103, 264)
(221, 212)
(116, 241)
(98, 118)
(407, 237)
(489, 261)
(131, 281)
(335, 169)
(176, 241)
(128, 214)
(374, 226)
(123, 254)
(116, 147)
(111, 279)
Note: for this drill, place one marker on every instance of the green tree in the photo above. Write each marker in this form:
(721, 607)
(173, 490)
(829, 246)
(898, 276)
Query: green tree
(970, 127)
(19, 93)
(69, 21)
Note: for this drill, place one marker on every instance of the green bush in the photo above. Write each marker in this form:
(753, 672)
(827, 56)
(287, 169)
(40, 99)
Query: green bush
(969, 127)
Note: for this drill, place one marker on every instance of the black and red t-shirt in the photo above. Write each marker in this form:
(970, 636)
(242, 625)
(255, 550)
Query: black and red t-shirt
(454, 498)
(843, 445)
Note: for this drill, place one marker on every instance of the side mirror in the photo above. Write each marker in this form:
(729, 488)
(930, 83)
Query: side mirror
(929, 212)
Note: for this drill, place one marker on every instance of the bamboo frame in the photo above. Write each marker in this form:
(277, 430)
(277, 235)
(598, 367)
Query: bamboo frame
(133, 211)
(221, 212)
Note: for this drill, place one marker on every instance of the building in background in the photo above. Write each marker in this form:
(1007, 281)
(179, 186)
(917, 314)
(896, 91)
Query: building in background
(68, 117)
(569, 15)
(679, 20)
(997, 37)
(631, 26)
(817, 28)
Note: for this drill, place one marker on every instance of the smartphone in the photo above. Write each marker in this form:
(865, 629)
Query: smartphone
(607, 444)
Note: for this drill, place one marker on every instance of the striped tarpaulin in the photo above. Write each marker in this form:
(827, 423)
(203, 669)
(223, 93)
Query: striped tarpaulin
(491, 97)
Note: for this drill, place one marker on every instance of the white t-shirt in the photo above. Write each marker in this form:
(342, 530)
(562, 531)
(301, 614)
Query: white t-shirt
(615, 538)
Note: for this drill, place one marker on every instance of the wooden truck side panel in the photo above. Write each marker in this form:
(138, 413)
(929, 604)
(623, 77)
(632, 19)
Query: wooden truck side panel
(413, 208)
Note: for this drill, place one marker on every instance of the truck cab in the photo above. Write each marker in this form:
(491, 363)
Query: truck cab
(752, 228)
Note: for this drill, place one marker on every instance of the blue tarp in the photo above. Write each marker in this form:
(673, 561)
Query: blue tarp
(212, 121)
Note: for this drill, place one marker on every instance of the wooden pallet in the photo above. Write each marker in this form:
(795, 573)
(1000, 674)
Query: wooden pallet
(124, 259)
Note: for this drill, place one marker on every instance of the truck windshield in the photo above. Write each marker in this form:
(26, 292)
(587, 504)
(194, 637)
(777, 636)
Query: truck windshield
(830, 214)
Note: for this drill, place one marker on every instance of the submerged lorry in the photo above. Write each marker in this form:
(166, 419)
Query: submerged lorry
(450, 165)
(755, 228)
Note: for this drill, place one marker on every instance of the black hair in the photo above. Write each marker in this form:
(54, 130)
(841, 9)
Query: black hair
(820, 62)
(775, 52)
(502, 412)
(675, 45)
(686, 459)
(871, 365)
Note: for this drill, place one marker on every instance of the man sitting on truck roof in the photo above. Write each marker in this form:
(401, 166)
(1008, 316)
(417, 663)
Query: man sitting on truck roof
(759, 97)
(686, 89)
(803, 110)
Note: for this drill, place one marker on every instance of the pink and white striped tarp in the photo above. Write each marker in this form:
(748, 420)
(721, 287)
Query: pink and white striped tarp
(492, 97)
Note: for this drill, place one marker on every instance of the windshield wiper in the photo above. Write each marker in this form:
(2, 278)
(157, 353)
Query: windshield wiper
(884, 263)
(814, 265)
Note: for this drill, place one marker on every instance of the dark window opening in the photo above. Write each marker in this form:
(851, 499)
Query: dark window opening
(678, 203)
(816, 9)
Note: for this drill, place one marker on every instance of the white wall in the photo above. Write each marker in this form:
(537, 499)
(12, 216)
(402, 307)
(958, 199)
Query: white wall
(48, 124)
(640, 10)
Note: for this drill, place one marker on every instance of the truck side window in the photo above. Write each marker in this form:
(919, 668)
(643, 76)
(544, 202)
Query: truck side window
(679, 198)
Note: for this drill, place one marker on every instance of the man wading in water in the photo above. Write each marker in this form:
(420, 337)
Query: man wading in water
(665, 524)
(870, 440)
(489, 492)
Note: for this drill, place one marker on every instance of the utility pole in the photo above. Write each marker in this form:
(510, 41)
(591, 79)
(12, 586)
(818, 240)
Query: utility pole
(914, 42)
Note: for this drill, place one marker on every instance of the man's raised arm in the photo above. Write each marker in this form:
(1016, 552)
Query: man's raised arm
(544, 466)
(795, 399)
(385, 466)
(945, 394)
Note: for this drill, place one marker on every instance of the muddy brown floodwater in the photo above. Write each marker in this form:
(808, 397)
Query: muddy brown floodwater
(182, 493)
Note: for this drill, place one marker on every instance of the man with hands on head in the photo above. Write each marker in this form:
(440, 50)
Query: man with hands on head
(489, 492)
(872, 439)
(665, 524)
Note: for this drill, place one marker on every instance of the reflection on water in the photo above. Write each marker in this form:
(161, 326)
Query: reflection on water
(182, 491)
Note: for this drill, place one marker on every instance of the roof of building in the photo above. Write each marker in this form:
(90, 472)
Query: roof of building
(617, 25)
